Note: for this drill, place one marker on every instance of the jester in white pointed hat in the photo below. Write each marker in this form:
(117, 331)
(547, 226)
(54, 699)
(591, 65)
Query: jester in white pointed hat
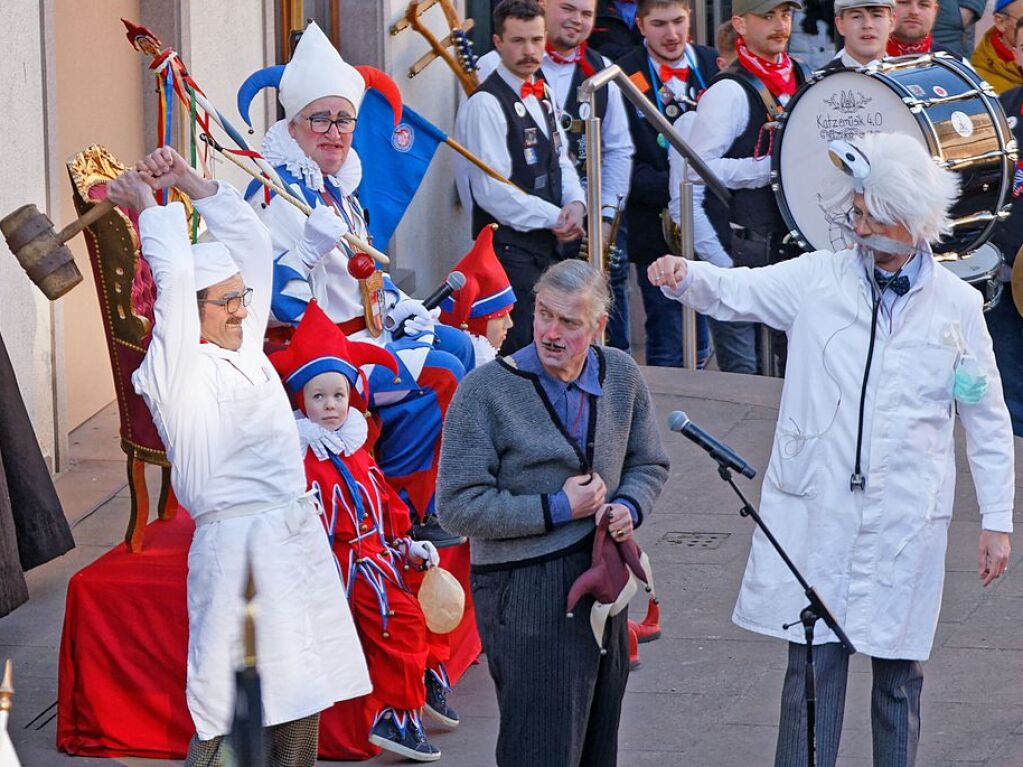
(311, 150)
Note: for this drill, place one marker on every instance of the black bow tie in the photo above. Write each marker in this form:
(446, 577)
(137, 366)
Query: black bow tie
(898, 285)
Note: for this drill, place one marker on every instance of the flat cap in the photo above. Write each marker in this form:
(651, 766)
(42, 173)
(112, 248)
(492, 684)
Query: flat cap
(742, 7)
(845, 5)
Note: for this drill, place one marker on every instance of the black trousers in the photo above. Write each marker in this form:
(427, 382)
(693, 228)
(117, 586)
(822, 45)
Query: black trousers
(894, 708)
(560, 700)
(524, 268)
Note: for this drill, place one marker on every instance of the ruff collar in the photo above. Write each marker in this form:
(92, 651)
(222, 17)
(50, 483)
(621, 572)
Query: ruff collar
(280, 148)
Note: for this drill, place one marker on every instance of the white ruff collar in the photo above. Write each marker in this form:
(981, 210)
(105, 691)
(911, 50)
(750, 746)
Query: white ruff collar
(353, 431)
(280, 148)
(484, 350)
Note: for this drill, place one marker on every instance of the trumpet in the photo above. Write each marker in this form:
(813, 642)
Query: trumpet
(671, 232)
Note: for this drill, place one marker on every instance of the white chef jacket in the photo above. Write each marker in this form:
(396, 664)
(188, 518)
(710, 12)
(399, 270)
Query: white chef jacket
(481, 127)
(616, 147)
(876, 556)
(236, 466)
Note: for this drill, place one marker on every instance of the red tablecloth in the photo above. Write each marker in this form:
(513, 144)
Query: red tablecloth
(121, 688)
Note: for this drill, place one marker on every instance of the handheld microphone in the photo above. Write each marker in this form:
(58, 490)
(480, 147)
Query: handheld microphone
(454, 281)
(720, 452)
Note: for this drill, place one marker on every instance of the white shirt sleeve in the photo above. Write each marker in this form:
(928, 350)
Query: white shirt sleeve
(481, 127)
(616, 150)
(721, 117)
(705, 238)
(235, 224)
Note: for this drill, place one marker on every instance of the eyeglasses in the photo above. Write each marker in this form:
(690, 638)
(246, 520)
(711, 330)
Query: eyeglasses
(854, 217)
(232, 303)
(319, 124)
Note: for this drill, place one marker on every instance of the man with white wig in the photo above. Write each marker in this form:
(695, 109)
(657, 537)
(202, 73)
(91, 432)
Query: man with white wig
(236, 466)
(885, 347)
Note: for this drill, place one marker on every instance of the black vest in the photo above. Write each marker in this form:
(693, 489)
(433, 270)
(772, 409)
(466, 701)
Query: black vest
(1008, 234)
(572, 121)
(754, 209)
(648, 193)
(535, 168)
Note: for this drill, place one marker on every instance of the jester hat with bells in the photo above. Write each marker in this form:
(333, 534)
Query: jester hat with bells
(487, 292)
(319, 346)
(316, 70)
(612, 580)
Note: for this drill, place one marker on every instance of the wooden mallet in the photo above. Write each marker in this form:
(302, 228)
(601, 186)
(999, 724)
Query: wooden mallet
(41, 250)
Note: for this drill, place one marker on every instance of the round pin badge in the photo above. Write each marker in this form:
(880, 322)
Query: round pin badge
(938, 91)
(961, 123)
(584, 111)
(671, 110)
(520, 109)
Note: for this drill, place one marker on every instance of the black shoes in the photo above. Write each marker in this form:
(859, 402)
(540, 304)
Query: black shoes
(402, 733)
(430, 530)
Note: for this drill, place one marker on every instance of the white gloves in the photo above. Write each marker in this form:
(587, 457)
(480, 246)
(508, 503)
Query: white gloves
(321, 441)
(425, 551)
(323, 229)
(416, 318)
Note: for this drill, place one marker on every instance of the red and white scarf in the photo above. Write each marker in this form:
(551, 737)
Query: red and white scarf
(578, 57)
(897, 47)
(779, 77)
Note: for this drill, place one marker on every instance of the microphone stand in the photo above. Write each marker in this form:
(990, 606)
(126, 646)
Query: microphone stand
(812, 613)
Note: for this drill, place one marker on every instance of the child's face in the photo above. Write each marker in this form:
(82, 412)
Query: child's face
(326, 400)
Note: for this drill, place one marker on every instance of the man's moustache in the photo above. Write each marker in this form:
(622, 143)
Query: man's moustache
(552, 346)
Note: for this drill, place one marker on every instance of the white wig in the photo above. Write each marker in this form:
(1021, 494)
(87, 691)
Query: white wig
(903, 185)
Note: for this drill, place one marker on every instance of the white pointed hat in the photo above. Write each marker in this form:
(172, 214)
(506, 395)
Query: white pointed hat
(213, 264)
(317, 70)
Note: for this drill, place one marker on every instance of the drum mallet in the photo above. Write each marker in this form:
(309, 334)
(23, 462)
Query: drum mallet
(41, 250)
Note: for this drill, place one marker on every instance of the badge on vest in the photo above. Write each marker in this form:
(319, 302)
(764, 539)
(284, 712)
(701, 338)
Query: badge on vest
(671, 111)
(529, 137)
(540, 183)
(520, 109)
(531, 156)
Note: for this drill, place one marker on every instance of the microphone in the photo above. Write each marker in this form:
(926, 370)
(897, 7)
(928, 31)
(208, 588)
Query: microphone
(719, 451)
(454, 281)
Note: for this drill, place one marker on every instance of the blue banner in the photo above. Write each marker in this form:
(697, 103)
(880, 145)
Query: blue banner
(394, 161)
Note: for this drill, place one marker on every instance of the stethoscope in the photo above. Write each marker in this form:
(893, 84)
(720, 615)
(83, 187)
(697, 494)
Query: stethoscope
(857, 481)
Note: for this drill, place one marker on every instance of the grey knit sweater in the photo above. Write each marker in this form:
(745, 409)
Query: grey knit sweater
(504, 453)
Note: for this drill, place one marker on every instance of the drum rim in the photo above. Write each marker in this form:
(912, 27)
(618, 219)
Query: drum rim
(940, 58)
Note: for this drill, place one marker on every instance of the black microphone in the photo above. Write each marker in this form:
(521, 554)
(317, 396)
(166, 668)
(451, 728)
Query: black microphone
(719, 451)
(455, 281)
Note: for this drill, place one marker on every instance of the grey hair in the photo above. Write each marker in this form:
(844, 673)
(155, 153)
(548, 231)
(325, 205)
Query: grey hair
(576, 276)
(905, 186)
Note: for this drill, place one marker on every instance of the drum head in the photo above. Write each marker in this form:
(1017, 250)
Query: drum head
(843, 105)
(982, 264)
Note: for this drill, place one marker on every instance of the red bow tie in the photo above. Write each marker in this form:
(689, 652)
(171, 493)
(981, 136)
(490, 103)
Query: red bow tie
(534, 88)
(680, 73)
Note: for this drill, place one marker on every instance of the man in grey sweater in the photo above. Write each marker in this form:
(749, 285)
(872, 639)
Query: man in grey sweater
(536, 448)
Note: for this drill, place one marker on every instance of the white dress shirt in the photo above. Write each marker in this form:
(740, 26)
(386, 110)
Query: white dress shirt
(481, 127)
(616, 147)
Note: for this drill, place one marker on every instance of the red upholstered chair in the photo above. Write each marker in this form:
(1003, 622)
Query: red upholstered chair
(127, 293)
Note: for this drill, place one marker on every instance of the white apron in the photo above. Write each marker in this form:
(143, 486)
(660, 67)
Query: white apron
(308, 652)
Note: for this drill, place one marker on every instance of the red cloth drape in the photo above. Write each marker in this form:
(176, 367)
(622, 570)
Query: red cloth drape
(121, 688)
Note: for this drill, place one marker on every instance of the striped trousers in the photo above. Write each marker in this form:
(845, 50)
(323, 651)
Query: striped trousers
(894, 708)
(560, 699)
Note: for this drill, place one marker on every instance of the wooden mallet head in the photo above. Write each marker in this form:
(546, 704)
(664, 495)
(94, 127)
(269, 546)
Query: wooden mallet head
(41, 250)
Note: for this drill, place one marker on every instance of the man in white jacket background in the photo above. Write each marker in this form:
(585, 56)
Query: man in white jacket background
(885, 348)
(236, 466)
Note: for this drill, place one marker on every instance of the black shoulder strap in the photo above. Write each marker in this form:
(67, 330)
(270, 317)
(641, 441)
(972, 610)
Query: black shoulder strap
(739, 72)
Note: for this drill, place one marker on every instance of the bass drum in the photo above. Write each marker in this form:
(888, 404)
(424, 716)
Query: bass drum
(935, 98)
(983, 270)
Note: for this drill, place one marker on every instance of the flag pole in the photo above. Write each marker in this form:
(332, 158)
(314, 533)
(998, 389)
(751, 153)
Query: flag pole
(480, 164)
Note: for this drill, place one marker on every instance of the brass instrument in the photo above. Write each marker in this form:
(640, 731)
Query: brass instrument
(611, 254)
(672, 233)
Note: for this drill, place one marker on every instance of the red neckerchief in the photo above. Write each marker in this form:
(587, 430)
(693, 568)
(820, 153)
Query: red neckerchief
(534, 88)
(998, 43)
(897, 47)
(779, 77)
(579, 58)
(679, 73)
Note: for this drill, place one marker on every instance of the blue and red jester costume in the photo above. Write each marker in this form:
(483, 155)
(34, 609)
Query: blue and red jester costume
(366, 521)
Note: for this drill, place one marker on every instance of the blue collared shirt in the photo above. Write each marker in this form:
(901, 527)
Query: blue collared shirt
(892, 303)
(626, 11)
(571, 403)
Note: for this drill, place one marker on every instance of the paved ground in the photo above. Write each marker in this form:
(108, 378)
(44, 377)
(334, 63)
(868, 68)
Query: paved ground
(706, 695)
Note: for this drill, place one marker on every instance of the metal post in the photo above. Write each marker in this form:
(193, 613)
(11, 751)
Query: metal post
(686, 223)
(594, 231)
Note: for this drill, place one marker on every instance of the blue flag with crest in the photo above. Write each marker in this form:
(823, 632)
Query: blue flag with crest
(394, 161)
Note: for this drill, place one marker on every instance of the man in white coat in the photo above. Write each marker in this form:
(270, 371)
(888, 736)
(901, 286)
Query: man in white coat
(885, 347)
(236, 466)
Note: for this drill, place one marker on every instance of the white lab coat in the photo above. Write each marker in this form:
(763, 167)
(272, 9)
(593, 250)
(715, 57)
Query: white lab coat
(877, 557)
(236, 466)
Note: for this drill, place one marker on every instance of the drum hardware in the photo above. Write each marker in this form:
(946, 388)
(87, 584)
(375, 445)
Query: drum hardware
(976, 218)
(937, 101)
(982, 269)
(969, 162)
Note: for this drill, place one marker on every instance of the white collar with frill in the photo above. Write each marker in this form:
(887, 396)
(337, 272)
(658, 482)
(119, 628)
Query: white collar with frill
(280, 148)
